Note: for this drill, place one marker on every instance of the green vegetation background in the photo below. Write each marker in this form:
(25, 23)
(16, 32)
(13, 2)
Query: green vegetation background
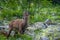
(40, 10)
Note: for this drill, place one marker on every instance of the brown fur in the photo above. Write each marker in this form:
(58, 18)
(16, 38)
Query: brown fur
(18, 24)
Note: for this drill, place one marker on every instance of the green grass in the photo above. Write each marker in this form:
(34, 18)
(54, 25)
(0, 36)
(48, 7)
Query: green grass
(22, 37)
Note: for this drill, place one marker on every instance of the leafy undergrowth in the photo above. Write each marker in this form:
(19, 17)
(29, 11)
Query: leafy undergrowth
(17, 37)
(38, 31)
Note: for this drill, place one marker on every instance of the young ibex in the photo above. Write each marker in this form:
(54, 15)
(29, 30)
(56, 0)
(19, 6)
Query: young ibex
(19, 24)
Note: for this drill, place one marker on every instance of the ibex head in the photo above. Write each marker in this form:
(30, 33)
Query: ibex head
(25, 14)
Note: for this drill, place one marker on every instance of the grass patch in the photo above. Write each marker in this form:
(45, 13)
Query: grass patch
(37, 31)
(22, 37)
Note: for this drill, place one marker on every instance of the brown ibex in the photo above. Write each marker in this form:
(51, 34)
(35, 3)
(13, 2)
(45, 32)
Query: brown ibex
(19, 24)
